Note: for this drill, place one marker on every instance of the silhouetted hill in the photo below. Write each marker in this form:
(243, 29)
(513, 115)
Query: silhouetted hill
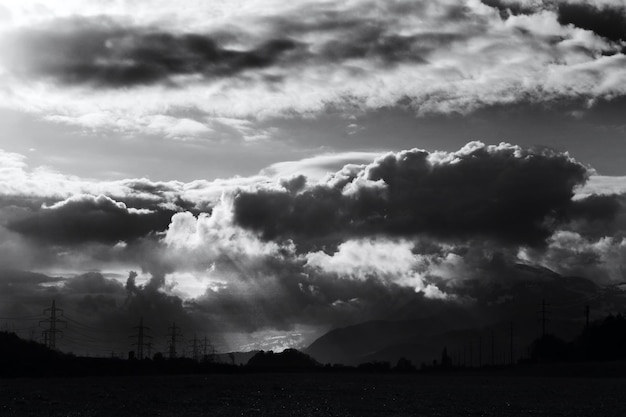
(13, 349)
(235, 358)
(289, 359)
(466, 325)
(354, 344)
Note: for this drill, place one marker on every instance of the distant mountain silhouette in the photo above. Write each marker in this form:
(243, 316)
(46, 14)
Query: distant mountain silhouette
(363, 342)
(461, 326)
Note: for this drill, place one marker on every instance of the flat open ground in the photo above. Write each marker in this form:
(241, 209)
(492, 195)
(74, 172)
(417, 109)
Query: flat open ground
(313, 395)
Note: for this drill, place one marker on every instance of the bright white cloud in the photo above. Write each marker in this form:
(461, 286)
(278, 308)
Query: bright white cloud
(386, 260)
(318, 167)
(602, 185)
(602, 261)
(202, 240)
(19, 179)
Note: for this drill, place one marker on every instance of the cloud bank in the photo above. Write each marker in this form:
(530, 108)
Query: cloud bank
(503, 192)
(258, 60)
(400, 236)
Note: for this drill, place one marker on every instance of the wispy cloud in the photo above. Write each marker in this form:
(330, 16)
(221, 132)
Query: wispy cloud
(439, 56)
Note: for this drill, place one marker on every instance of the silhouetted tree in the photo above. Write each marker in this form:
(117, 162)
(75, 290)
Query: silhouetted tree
(604, 340)
(287, 359)
(550, 348)
(404, 365)
(446, 361)
(375, 366)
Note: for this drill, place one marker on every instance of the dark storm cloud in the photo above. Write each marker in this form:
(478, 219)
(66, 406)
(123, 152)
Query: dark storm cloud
(608, 21)
(87, 218)
(100, 313)
(157, 306)
(109, 55)
(509, 7)
(387, 49)
(359, 36)
(599, 216)
(154, 195)
(15, 282)
(505, 193)
(116, 305)
(93, 283)
(596, 207)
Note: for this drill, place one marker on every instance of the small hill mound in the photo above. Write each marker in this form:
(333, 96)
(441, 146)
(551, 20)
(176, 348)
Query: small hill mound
(285, 360)
(12, 349)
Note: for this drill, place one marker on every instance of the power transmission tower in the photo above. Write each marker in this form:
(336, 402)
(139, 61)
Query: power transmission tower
(175, 335)
(464, 356)
(50, 335)
(195, 353)
(205, 351)
(141, 339)
(544, 317)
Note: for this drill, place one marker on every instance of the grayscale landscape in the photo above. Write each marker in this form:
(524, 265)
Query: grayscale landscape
(360, 207)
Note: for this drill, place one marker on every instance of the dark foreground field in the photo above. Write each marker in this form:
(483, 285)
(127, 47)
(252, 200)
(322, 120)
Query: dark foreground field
(313, 395)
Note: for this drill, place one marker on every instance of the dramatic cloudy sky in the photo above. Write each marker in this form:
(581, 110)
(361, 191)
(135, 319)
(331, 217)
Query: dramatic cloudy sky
(271, 170)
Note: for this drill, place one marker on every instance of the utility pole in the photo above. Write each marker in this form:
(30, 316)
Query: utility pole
(587, 311)
(141, 336)
(464, 356)
(174, 338)
(493, 348)
(471, 350)
(511, 347)
(208, 351)
(544, 319)
(194, 348)
(480, 351)
(50, 335)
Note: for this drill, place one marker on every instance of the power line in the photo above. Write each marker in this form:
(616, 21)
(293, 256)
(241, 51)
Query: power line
(208, 350)
(19, 318)
(89, 327)
(195, 351)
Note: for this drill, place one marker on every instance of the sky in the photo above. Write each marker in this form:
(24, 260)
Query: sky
(263, 172)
